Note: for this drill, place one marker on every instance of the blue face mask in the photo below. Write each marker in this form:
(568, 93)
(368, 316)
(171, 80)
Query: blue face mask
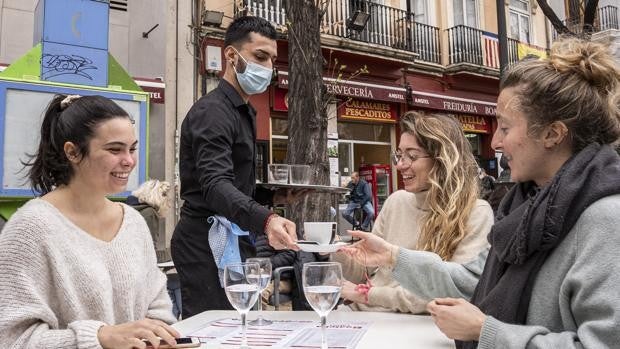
(255, 78)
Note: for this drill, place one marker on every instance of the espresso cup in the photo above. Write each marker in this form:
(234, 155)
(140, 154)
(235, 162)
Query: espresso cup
(321, 232)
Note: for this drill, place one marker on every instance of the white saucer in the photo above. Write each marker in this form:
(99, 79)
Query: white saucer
(330, 248)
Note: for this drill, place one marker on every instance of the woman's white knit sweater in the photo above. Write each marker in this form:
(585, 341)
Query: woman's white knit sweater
(61, 284)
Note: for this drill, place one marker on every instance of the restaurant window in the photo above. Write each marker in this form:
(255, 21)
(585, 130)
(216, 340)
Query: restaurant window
(279, 140)
(364, 132)
(362, 144)
(262, 158)
(475, 143)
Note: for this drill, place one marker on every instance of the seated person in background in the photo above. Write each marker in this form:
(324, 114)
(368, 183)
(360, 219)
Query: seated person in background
(487, 183)
(501, 186)
(79, 271)
(504, 176)
(151, 200)
(360, 197)
(552, 274)
(438, 211)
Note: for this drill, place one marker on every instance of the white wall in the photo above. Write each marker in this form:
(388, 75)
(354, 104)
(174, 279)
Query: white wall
(16, 28)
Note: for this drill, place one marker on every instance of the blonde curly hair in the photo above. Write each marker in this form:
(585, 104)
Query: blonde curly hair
(155, 194)
(453, 189)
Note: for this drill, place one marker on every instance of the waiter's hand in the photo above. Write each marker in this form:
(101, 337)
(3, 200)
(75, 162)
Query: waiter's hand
(281, 233)
(287, 196)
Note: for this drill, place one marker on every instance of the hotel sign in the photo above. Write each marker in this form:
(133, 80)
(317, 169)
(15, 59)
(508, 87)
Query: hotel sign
(355, 109)
(357, 89)
(452, 104)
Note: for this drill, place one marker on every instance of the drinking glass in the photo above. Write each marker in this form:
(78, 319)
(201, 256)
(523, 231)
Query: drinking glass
(264, 276)
(242, 291)
(278, 173)
(322, 283)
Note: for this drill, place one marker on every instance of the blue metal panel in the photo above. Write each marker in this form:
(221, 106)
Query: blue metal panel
(73, 22)
(11, 85)
(74, 64)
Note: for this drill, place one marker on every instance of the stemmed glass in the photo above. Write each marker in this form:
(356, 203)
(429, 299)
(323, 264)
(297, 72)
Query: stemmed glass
(264, 277)
(242, 291)
(322, 284)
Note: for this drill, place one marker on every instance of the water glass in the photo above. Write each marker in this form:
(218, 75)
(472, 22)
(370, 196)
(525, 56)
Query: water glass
(278, 173)
(242, 291)
(300, 174)
(264, 277)
(322, 282)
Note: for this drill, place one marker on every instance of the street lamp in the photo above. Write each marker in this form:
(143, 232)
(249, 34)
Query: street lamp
(358, 21)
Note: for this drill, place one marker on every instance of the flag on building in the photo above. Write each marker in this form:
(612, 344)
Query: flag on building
(524, 49)
(491, 50)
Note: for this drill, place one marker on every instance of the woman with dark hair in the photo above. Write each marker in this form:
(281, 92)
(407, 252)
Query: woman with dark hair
(79, 271)
(552, 274)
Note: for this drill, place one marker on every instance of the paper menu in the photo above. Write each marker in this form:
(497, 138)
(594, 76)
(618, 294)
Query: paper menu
(339, 336)
(296, 334)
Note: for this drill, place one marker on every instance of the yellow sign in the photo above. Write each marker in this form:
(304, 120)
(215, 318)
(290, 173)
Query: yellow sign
(525, 49)
(474, 123)
(367, 110)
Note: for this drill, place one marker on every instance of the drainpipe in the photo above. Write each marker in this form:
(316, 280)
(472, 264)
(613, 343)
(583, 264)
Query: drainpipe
(502, 36)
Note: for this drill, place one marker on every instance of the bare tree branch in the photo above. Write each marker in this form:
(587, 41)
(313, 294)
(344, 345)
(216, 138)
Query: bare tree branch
(553, 18)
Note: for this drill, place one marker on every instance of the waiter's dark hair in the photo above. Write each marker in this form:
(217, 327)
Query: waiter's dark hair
(67, 119)
(239, 30)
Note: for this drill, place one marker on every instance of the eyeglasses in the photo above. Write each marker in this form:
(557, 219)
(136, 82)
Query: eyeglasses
(406, 158)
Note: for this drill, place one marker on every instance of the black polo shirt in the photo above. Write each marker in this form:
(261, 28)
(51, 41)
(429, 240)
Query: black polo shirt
(217, 159)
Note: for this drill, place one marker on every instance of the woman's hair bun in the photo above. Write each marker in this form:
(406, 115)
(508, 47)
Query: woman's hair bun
(591, 60)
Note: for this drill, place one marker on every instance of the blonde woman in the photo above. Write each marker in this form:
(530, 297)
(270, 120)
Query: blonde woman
(438, 211)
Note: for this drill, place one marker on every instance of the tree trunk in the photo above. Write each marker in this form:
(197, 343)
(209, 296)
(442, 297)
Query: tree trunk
(307, 116)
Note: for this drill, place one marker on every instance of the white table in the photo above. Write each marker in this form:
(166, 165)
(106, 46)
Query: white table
(387, 330)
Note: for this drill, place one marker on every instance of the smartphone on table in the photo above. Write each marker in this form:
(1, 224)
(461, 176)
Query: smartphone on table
(183, 342)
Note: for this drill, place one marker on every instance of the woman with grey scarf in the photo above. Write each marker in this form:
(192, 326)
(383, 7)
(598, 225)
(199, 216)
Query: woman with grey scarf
(551, 276)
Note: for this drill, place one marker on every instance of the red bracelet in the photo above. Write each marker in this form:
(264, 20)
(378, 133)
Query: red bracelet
(267, 220)
(365, 290)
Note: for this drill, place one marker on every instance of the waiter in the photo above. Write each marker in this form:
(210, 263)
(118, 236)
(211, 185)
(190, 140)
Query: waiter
(217, 167)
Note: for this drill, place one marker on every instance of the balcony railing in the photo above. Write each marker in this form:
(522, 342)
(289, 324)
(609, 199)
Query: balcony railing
(465, 45)
(387, 26)
(426, 41)
(607, 19)
(477, 47)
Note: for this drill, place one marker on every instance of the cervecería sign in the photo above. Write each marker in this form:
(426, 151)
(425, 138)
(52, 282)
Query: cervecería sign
(356, 89)
(354, 109)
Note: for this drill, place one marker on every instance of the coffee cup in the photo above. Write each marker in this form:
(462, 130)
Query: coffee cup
(321, 232)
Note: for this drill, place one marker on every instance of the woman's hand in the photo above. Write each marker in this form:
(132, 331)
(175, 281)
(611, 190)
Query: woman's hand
(130, 334)
(350, 293)
(457, 318)
(371, 251)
